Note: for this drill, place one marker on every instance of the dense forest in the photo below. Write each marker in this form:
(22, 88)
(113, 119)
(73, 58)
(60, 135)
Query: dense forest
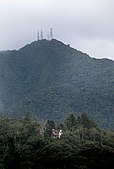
(51, 79)
(27, 143)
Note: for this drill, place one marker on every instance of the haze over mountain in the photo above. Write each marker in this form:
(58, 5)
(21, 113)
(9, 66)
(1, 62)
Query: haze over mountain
(51, 79)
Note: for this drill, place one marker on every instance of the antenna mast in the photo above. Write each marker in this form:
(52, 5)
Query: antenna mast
(48, 36)
(51, 33)
(38, 37)
(41, 35)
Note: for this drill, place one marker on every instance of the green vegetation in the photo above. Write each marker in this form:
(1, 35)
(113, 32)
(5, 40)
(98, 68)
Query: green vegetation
(28, 144)
(52, 79)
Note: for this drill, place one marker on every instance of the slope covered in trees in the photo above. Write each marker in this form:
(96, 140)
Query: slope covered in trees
(52, 79)
(28, 144)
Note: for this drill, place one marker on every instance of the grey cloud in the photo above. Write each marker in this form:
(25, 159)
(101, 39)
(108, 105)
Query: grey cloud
(85, 24)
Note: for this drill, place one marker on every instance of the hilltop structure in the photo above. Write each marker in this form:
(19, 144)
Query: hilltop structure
(40, 35)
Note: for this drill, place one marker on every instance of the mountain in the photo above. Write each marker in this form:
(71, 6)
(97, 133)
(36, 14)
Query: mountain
(51, 79)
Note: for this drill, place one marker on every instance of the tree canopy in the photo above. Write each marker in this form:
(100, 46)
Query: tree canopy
(27, 144)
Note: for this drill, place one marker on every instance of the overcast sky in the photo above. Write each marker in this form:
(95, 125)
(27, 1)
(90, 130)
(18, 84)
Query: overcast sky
(87, 25)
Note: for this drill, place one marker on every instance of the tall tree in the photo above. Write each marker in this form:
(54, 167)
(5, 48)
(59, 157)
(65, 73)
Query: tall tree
(86, 122)
(70, 121)
(48, 128)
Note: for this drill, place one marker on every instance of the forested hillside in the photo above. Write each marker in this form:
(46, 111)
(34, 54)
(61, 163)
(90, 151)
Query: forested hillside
(51, 79)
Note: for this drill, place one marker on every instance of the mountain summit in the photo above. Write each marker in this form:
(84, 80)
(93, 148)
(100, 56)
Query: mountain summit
(51, 79)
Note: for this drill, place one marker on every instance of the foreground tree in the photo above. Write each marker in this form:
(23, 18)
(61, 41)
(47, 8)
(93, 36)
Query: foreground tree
(70, 121)
(48, 128)
(85, 121)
